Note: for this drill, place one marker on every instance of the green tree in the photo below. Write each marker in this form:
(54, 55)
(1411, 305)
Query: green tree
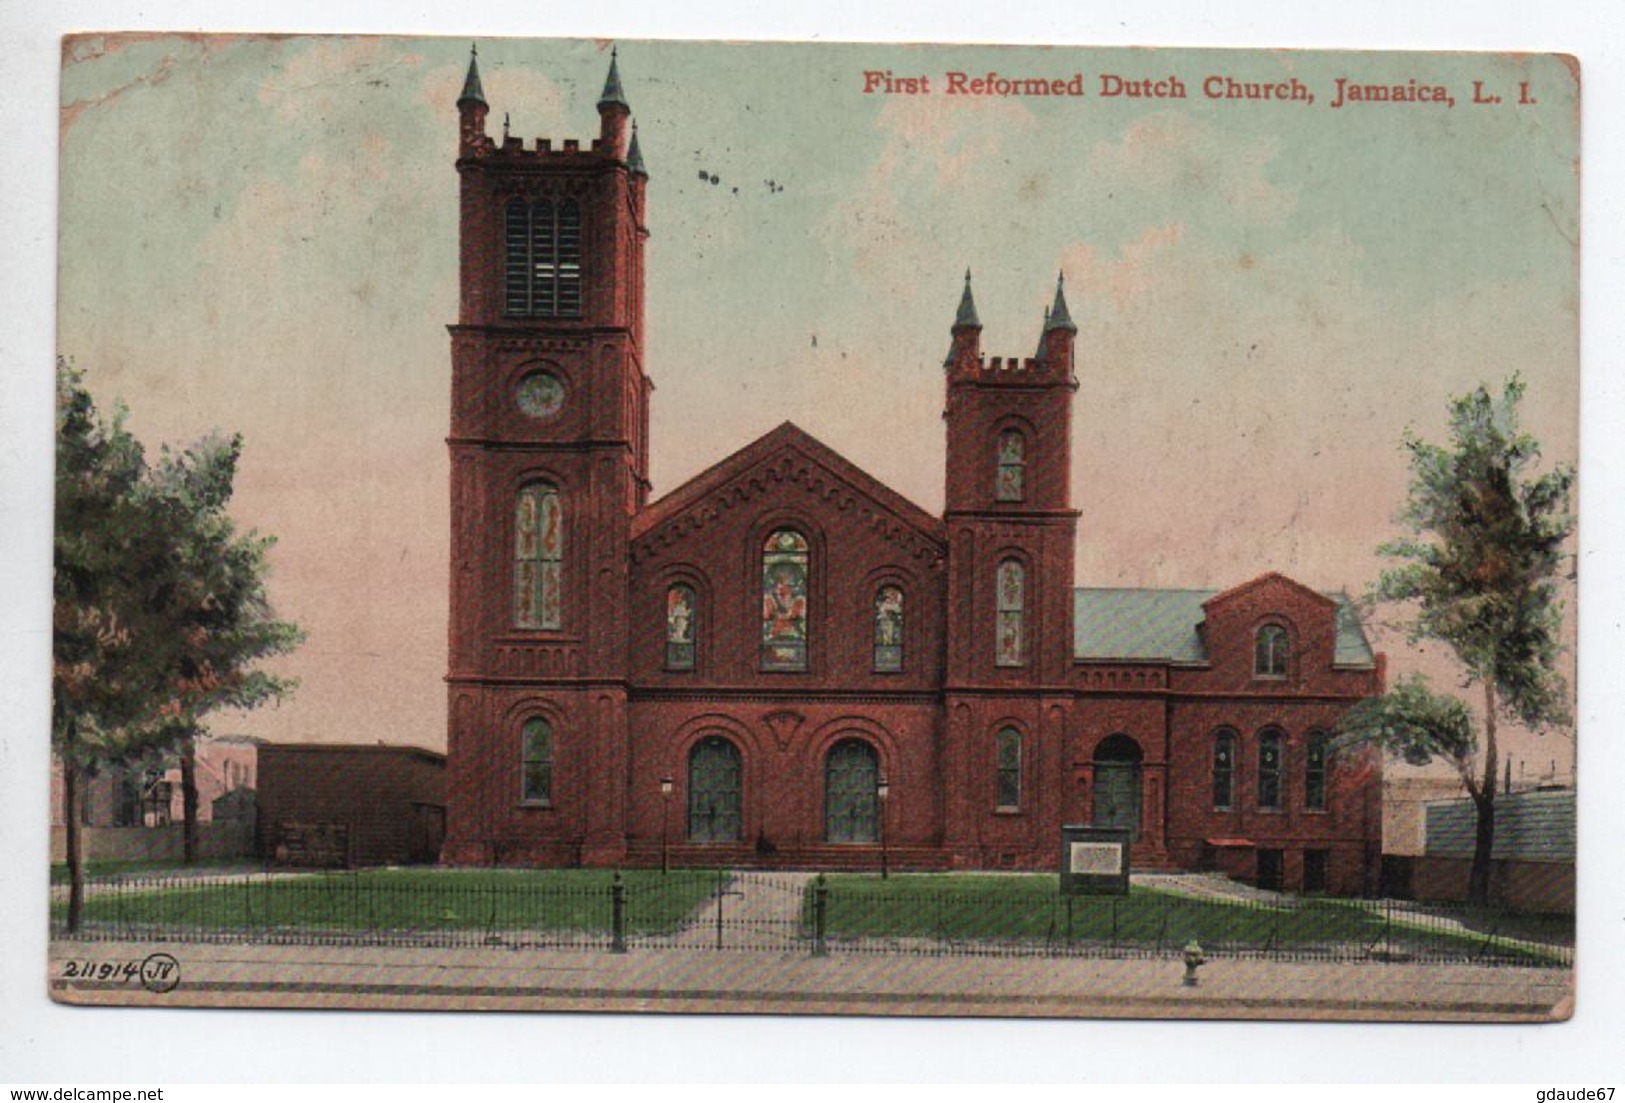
(1481, 573)
(161, 611)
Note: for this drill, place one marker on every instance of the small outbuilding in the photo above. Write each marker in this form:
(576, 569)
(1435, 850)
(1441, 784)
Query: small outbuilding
(348, 805)
(1532, 863)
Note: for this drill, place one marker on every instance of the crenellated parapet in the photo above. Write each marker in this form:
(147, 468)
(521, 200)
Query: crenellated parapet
(616, 141)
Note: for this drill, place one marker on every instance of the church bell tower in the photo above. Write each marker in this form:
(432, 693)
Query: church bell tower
(549, 462)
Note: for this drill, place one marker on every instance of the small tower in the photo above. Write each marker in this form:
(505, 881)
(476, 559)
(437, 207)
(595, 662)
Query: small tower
(549, 458)
(1009, 511)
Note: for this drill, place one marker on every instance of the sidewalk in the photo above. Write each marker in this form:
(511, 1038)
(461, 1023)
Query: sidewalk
(780, 983)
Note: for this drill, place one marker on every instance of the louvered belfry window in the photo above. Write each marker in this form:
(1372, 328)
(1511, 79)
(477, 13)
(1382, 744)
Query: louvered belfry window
(542, 258)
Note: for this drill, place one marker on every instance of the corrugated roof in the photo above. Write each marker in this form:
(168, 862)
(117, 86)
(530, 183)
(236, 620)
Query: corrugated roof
(1533, 827)
(1161, 624)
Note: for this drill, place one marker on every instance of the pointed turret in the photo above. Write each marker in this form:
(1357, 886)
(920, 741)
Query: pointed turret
(613, 110)
(472, 91)
(966, 350)
(471, 107)
(1055, 344)
(1057, 317)
(612, 95)
(967, 307)
(634, 156)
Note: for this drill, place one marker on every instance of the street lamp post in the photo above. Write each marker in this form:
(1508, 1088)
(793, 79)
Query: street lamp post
(882, 791)
(665, 810)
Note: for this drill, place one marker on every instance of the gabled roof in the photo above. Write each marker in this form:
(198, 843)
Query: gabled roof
(788, 440)
(1162, 625)
(1268, 578)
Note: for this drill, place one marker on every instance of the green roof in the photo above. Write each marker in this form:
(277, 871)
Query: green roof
(1161, 625)
(1536, 826)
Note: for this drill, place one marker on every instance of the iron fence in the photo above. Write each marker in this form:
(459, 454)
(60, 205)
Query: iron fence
(790, 913)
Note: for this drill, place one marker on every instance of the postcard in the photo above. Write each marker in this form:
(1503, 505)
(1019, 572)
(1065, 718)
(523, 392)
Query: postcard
(815, 528)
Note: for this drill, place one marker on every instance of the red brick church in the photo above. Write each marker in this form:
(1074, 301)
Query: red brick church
(784, 662)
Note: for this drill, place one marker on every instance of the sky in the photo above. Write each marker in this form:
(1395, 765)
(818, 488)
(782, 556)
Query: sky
(258, 235)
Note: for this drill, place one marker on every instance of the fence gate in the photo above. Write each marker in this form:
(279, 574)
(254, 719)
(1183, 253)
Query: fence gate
(745, 911)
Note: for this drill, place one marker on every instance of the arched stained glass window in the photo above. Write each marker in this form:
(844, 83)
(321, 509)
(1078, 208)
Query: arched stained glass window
(1010, 485)
(1008, 795)
(1314, 771)
(889, 629)
(1270, 651)
(539, 558)
(1224, 769)
(682, 617)
(1011, 586)
(542, 258)
(784, 601)
(536, 785)
(1270, 743)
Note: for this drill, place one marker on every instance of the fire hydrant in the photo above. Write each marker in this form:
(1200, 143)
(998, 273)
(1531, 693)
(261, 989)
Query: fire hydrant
(1193, 961)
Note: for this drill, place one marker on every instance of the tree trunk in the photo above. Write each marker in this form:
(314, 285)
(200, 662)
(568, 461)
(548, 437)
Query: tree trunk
(189, 802)
(70, 823)
(1478, 881)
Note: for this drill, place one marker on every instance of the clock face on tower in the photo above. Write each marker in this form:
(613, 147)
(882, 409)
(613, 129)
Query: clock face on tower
(540, 395)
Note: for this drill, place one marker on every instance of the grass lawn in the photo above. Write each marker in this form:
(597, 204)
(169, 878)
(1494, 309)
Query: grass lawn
(136, 866)
(403, 900)
(1029, 907)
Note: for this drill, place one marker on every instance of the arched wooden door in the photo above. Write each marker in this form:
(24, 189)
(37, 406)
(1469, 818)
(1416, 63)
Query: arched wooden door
(851, 775)
(715, 781)
(1117, 784)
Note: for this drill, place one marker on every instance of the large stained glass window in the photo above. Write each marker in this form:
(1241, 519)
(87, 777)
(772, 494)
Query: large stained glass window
(681, 616)
(889, 629)
(1010, 484)
(536, 786)
(1011, 585)
(539, 558)
(784, 601)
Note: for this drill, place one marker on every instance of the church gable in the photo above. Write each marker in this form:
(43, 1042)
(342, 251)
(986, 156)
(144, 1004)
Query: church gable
(787, 468)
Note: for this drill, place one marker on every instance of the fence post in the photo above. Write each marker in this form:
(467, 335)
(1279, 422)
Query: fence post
(617, 901)
(820, 904)
(722, 891)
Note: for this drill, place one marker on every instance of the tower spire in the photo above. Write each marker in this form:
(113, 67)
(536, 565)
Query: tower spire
(612, 95)
(634, 156)
(967, 307)
(1058, 318)
(472, 92)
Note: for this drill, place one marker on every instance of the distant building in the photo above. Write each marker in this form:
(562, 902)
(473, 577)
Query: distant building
(148, 793)
(135, 812)
(1533, 860)
(338, 804)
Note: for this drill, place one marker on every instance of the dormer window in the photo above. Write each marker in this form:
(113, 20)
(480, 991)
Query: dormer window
(1271, 649)
(542, 250)
(1010, 485)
